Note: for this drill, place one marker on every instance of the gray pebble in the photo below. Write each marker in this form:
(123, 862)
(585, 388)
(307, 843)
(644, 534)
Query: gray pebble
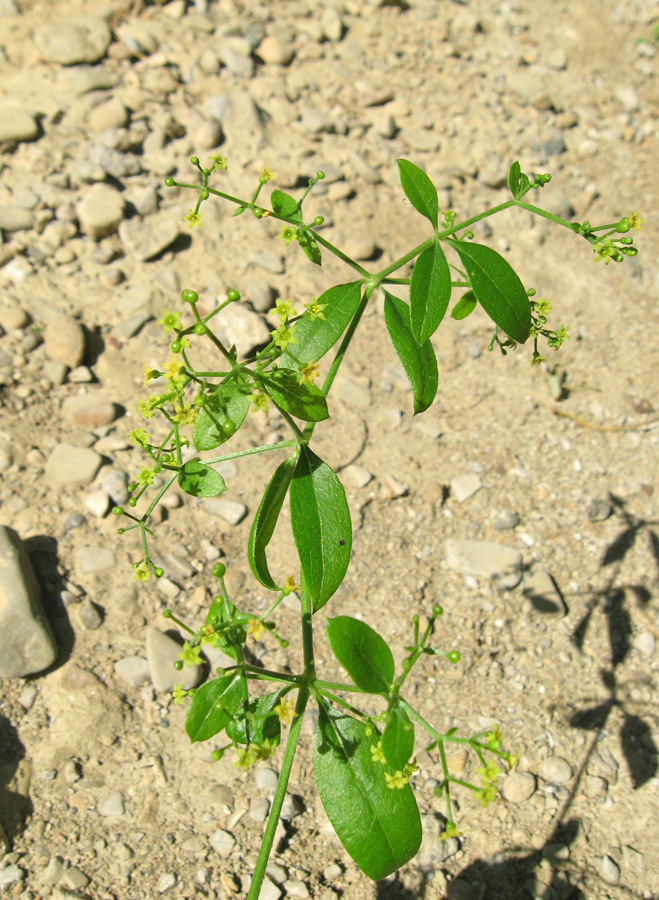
(473, 349)
(162, 652)
(506, 520)
(266, 779)
(258, 809)
(545, 597)
(485, 559)
(114, 162)
(260, 295)
(222, 842)
(90, 615)
(557, 59)
(27, 696)
(555, 145)
(95, 559)
(88, 410)
(231, 511)
(291, 807)
(13, 218)
(65, 341)
(17, 124)
(74, 521)
(10, 875)
(100, 210)
(115, 482)
(518, 787)
(465, 486)
(53, 871)
(147, 238)
(166, 881)
(598, 510)
(296, 889)
(74, 879)
(555, 769)
(133, 670)
(80, 39)
(241, 65)
(645, 643)
(275, 51)
(610, 871)
(112, 805)
(269, 260)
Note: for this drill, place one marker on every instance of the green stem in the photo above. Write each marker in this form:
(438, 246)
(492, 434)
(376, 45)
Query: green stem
(542, 212)
(307, 638)
(280, 793)
(250, 451)
(343, 703)
(339, 686)
(346, 259)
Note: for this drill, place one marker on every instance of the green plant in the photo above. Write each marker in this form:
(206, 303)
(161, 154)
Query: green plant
(363, 763)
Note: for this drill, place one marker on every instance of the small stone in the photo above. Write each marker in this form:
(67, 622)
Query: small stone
(518, 787)
(80, 39)
(133, 670)
(17, 125)
(100, 211)
(90, 615)
(165, 882)
(64, 341)
(331, 25)
(208, 135)
(598, 510)
(352, 393)
(53, 871)
(240, 64)
(545, 597)
(485, 559)
(364, 169)
(629, 100)
(269, 890)
(111, 114)
(610, 871)
(332, 872)
(10, 875)
(222, 842)
(74, 521)
(162, 652)
(269, 260)
(27, 696)
(296, 889)
(115, 482)
(74, 879)
(88, 410)
(645, 643)
(231, 511)
(395, 487)
(14, 317)
(13, 218)
(243, 328)
(112, 805)
(465, 486)
(98, 503)
(275, 51)
(266, 779)
(81, 375)
(506, 520)
(633, 860)
(260, 295)
(360, 248)
(26, 641)
(420, 139)
(258, 809)
(193, 845)
(146, 238)
(555, 769)
(557, 59)
(290, 807)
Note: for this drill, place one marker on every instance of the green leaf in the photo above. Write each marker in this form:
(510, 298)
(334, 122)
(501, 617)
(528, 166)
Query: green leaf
(379, 827)
(221, 416)
(419, 362)
(265, 520)
(212, 707)
(309, 245)
(420, 190)
(262, 720)
(316, 336)
(304, 401)
(497, 287)
(464, 307)
(222, 611)
(285, 205)
(398, 739)
(430, 290)
(238, 212)
(199, 480)
(321, 525)
(363, 654)
(518, 182)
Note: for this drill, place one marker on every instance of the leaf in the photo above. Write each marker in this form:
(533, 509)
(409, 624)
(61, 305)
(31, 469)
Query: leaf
(222, 611)
(430, 290)
(497, 287)
(212, 707)
(309, 245)
(420, 190)
(398, 739)
(285, 205)
(263, 722)
(379, 827)
(464, 307)
(220, 417)
(518, 182)
(199, 480)
(419, 362)
(321, 525)
(304, 401)
(363, 654)
(316, 336)
(265, 520)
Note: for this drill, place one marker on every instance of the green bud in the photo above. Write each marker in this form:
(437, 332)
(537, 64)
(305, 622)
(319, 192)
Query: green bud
(175, 346)
(437, 610)
(453, 657)
(318, 221)
(200, 399)
(320, 175)
(368, 731)
(204, 195)
(219, 671)
(258, 212)
(117, 511)
(233, 295)
(531, 292)
(219, 570)
(194, 160)
(169, 182)
(217, 754)
(159, 572)
(285, 643)
(131, 487)
(132, 501)
(219, 705)
(626, 240)
(120, 530)
(206, 172)
(167, 613)
(623, 226)
(189, 296)
(469, 235)
(200, 328)
(630, 251)
(178, 665)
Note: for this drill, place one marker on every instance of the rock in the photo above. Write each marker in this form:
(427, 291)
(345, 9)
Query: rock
(545, 597)
(69, 465)
(555, 769)
(316, 121)
(465, 486)
(275, 51)
(518, 787)
(266, 779)
(610, 871)
(645, 643)
(26, 641)
(90, 615)
(53, 871)
(115, 482)
(13, 218)
(10, 875)
(360, 247)
(98, 503)
(80, 39)
(485, 559)
(208, 135)
(111, 114)
(231, 511)
(269, 260)
(260, 295)
(351, 392)
(146, 238)
(166, 881)
(240, 63)
(506, 520)
(557, 59)
(17, 125)
(222, 842)
(420, 139)
(88, 410)
(162, 652)
(133, 670)
(94, 559)
(331, 25)
(258, 809)
(629, 100)
(112, 805)
(241, 327)
(290, 808)
(598, 510)
(100, 211)
(137, 38)
(296, 889)
(633, 860)
(115, 163)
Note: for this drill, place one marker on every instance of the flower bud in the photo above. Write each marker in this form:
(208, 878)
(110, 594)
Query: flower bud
(219, 570)
(117, 511)
(194, 160)
(169, 182)
(189, 296)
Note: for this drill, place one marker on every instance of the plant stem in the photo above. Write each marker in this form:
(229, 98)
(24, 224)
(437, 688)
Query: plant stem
(251, 450)
(280, 793)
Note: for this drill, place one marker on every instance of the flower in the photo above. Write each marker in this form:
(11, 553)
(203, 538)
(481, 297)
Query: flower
(219, 162)
(283, 336)
(314, 309)
(190, 655)
(309, 372)
(285, 710)
(255, 627)
(150, 373)
(512, 759)
(178, 693)
(289, 233)
(283, 309)
(138, 436)
(246, 758)
(267, 175)
(193, 218)
(146, 475)
(397, 781)
(142, 573)
(173, 369)
(636, 221)
(486, 794)
(147, 405)
(376, 752)
(185, 414)
(490, 772)
(537, 359)
(170, 320)
(260, 400)
(290, 584)
(604, 250)
(450, 832)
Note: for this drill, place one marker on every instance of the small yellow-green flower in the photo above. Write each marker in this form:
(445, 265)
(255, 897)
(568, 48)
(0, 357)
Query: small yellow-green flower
(246, 758)
(267, 175)
(142, 573)
(283, 336)
(290, 584)
(219, 162)
(139, 436)
(185, 414)
(150, 373)
(512, 759)
(283, 309)
(178, 693)
(146, 475)
(285, 710)
(538, 360)
(309, 372)
(147, 405)
(450, 831)
(604, 250)
(193, 218)
(256, 628)
(170, 320)
(487, 794)
(260, 400)
(173, 369)
(289, 233)
(314, 309)
(636, 221)
(397, 781)
(376, 752)
(191, 655)
(489, 772)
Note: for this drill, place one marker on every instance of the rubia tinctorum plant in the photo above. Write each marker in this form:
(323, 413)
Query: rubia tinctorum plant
(363, 763)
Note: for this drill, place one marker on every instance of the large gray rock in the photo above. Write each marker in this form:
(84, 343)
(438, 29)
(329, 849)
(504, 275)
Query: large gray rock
(485, 559)
(80, 39)
(26, 642)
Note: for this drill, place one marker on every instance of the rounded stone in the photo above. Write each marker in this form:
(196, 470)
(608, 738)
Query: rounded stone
(80, 39)
(133, 670)
(518, 787)
(100, 211)
(88, 410)
(69, 465)
(274, 51)
(111, 114)
(555, 769)
(13, 218)
(112, 805)
(17, 125)
(65, 341)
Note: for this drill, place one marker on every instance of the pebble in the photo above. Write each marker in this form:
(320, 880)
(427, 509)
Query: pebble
(518, 787)
(352, 393)
(162, 652)
(465, 486)
(88, 410)
(242, 327)
(360, 247)
(90, 615)
(98, 503)
(100, 210)
(115, 482)
(557, 59)
(269, 890)
(74, 879)
(17, 125)
(540, 589)
(332, 872)
(258, 809)
(290, 807)
(610, 871)
(269, 260)
(645, 643)
(53, 871)
(80, 39)
(598, 510)
(64, 341)
(111, 114)
(14, 317)
(222, 842)
(133, 670)
(74, 521)
(146, 238)
(13, 218)
(275, 51)
(633, 860)
(27, 696)
(94, 559)
(231, 511)
(485, 559)
(266, 779)
(165, 882)
(260, 295)
(331, 25)
(296, 889)
(112, 805)
(506, 520)
(555, 769)
(26, 642)
(10, 875)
